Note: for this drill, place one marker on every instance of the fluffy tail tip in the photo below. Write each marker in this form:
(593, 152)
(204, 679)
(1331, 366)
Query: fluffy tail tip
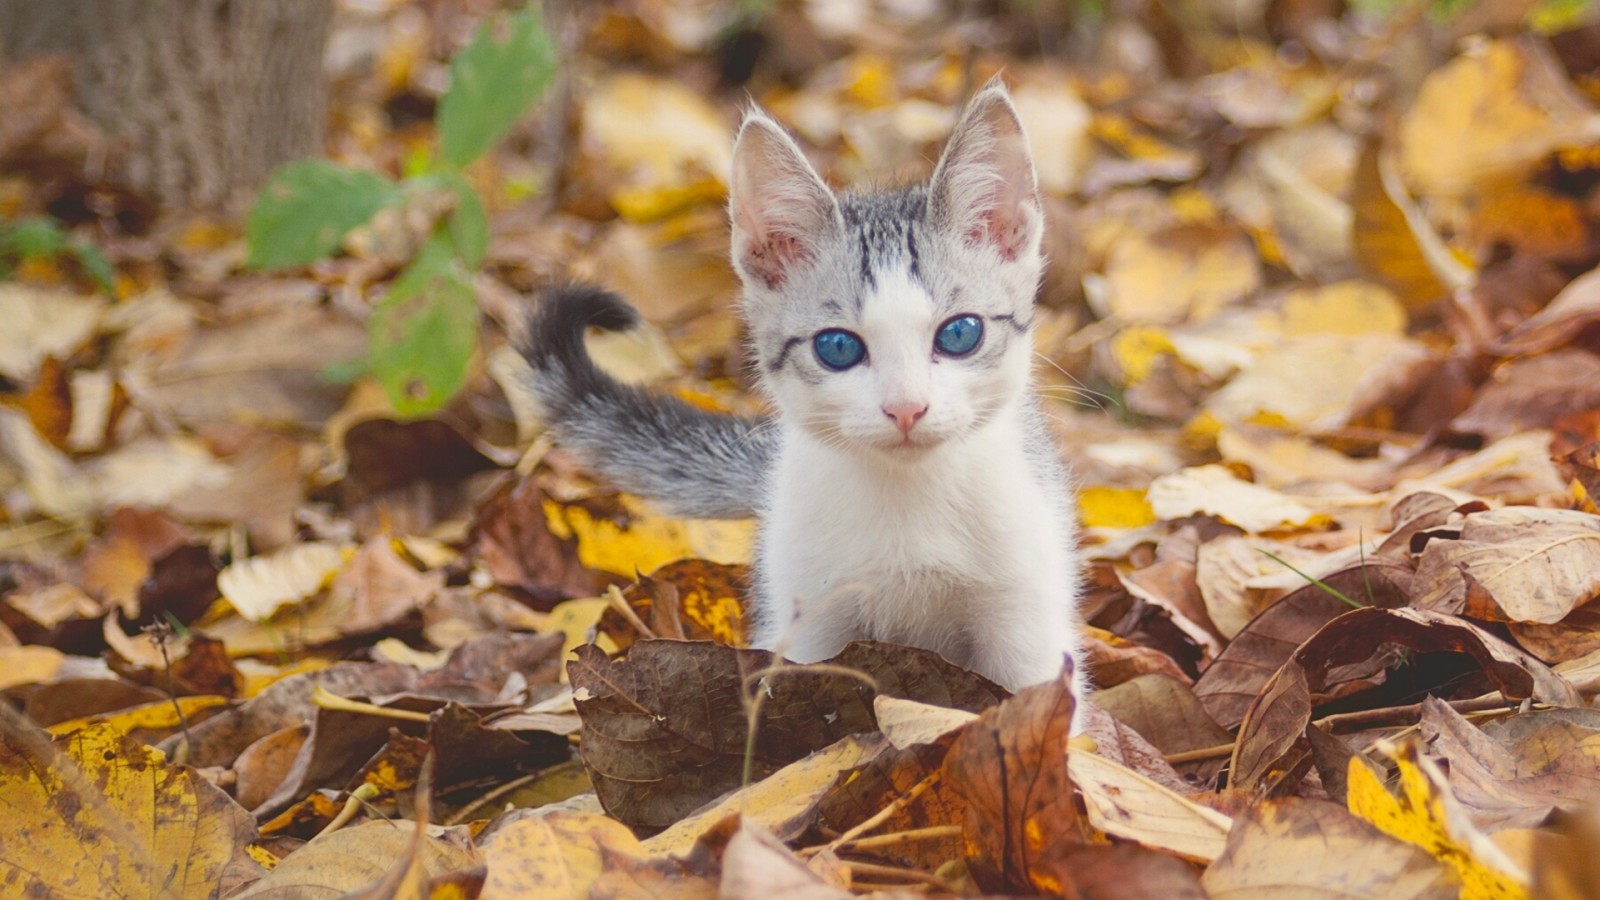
(554, 329)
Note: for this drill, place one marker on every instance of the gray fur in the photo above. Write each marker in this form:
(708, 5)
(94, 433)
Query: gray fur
(695, 463)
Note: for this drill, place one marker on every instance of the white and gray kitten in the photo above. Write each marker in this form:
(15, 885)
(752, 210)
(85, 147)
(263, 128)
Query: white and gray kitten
(907, 486)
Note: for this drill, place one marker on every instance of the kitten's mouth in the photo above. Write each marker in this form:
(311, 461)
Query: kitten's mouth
(911, 445)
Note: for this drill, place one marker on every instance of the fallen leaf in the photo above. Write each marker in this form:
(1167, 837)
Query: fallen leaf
(1516, 772)
(1314, 848)
(1320, 382)
(1516, 564)
(1010, 766)
(569, 854)
(1229, 684)
(354, 857)
(261, 585)
(1531, 393)
(784, 801)
(1488, 116)
(1216, 491)
(1185, 274)
(756, 864)
(1121, 802)
(1426, 815)
(42, 323)
(114, 817)
(687, 702)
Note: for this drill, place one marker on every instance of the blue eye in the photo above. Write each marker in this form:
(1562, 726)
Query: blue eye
(959, 335)
(838, 349)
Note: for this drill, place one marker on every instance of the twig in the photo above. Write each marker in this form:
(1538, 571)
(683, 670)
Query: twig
(1355, 721)
(357, 799)
(913, 875)
(878, 818)
(896, 838)
(617, 602)
(322, 698)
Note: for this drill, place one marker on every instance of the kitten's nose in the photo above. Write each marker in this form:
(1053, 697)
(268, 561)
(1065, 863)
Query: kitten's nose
(905, 415)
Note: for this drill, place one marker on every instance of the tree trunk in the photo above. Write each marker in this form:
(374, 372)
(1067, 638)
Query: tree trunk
(203, 98)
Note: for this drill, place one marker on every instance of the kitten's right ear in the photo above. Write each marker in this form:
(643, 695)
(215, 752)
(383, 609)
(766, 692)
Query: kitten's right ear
(780, 207)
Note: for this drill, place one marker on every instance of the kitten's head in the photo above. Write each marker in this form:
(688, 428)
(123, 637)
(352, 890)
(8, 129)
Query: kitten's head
(898, 322)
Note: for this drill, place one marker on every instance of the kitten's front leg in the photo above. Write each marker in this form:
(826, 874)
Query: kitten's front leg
(1026, 636)
(804, 632)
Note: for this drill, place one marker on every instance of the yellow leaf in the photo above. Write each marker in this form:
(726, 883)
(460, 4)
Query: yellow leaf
(646, 540)
(1348, 307)
(30, 664)
(776, 799)
(652, 203)
(99, 815)
(1109, 507)
(1533, 221)
(1393, 240)
(1185, 273)
(1137, 349)
(1488, 117)
(160, 715)
(576, 619)
(561, 854)
(1421, 815)
(870, 80)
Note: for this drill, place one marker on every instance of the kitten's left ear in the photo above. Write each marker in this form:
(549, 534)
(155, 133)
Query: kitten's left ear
(984, 186)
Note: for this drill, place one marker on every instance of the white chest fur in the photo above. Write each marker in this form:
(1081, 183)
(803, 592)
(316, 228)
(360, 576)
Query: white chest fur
(968, 551)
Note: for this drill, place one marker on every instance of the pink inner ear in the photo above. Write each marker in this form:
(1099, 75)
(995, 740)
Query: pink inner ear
(1004, 233)
(770, 257)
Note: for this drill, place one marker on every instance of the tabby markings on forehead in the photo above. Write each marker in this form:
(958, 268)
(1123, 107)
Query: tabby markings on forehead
(885, 227)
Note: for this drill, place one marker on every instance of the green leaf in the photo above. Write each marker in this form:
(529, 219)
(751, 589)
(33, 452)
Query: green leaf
(422, 336)
(307, 209)
(468, 225)
(95, 265)
(493, 81)
(33, 238)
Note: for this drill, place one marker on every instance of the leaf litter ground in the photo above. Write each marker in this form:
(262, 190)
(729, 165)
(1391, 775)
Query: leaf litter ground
(1320, 320)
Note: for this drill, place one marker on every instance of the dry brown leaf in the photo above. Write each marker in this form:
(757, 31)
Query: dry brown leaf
(1515, 563)
(1517, 771)
(276, 359)
(1010, 766)
(1565, 317)
(353, 858)
(756, 864)
(685, 701)
(1531, 393)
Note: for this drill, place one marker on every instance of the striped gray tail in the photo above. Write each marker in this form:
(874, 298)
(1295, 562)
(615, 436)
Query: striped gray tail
(692, 462)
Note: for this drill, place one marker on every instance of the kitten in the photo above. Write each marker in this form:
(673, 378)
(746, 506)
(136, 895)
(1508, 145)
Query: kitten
(907, 487)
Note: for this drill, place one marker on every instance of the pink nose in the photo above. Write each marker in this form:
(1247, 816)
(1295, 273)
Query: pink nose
(905, 415)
